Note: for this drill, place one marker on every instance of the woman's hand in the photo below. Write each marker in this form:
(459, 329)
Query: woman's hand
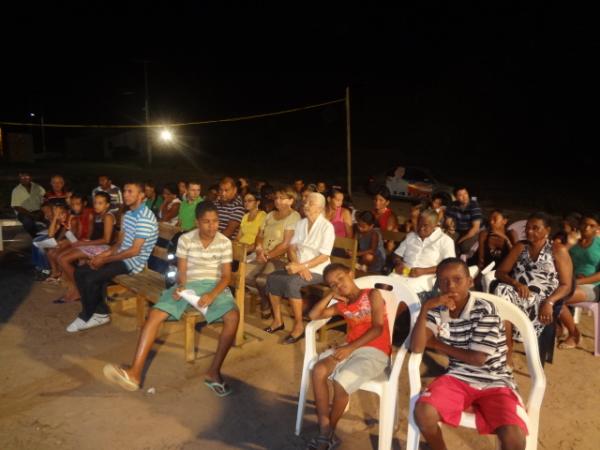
(416, 272)
(261, 255)
(545, 314)
(522, 290)
(305, 274)
(293, 268)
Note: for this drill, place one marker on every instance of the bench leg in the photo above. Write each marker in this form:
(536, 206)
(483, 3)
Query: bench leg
(323, 335)
(141, 311)
(190, 345)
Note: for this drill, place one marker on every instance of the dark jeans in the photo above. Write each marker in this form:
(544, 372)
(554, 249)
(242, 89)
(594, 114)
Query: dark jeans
(29, 221)
(90, 283)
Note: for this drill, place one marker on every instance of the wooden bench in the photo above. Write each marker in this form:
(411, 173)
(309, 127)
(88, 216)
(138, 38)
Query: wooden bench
(148, 285)
(7, 223)
(396, 236)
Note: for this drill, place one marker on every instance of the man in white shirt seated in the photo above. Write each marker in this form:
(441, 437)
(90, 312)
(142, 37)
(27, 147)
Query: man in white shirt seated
(421, 252)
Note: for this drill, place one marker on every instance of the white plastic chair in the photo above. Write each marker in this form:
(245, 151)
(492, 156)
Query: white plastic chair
(386, 387)
(487, 276)
(513, 314)
(427, 282)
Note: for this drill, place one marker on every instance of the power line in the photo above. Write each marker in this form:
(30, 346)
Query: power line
(183, 124)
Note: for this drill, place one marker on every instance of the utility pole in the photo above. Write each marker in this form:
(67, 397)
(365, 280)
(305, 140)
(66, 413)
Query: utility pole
(147, 111)
(348, 143)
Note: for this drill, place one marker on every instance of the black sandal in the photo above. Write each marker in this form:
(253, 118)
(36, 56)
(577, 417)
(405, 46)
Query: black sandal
(273, 330)
(317, 442)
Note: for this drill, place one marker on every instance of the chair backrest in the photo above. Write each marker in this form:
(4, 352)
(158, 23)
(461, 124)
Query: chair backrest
(346, 244)
(487, 269)
(396, 236)
(509, 312)
(240, 254)
(399, 293)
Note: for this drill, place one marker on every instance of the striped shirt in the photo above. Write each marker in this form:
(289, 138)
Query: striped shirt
(139, 224)
(228, 211)
(464, 217)
(116, 197)
(204, 263)
(478, 328)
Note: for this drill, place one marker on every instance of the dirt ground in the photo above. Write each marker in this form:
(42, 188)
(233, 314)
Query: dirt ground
(53, 394)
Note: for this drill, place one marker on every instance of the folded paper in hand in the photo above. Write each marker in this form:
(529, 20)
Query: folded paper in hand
(190, 296)
(46, 243)
(70, 236)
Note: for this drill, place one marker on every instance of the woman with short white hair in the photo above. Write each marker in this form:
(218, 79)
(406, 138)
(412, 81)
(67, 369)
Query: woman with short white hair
(308, 253)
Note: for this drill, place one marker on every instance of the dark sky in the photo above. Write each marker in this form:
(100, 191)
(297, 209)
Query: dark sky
(505, 89)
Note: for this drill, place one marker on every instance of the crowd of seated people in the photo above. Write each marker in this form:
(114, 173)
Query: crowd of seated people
(290, 234)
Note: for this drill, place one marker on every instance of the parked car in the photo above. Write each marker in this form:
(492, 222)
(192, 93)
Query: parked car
(411, 182)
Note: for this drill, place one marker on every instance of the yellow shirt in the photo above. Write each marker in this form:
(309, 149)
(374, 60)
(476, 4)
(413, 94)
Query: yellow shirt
(250, 228)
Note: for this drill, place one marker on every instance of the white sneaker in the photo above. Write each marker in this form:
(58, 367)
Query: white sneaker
(77, 325)
(96, 320)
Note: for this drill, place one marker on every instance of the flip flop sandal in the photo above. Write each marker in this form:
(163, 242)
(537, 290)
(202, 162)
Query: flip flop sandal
(62, 300)
(318, 441)
(119, 376)
(52, 280)
(220, 389)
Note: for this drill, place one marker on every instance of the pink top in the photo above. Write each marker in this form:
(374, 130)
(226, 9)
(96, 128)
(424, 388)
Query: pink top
(338, 223)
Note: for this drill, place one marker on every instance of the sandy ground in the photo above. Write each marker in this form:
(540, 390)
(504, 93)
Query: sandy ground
(53, 395)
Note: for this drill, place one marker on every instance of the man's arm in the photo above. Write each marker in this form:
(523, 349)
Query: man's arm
(231, 228)
(224, 281)
(132, 251)
(475, 225)
(423, 337)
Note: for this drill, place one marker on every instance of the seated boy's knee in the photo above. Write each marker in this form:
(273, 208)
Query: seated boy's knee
(426, 415)
(512, 437)
(156, 315)
(320, 370)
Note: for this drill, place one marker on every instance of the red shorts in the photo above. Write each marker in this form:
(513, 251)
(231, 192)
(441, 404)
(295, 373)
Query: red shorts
(493, 407)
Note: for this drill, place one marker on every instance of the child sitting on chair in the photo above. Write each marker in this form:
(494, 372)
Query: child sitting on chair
(471, 333)
(364, 357)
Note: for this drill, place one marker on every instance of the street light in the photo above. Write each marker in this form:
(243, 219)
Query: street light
(166, 135)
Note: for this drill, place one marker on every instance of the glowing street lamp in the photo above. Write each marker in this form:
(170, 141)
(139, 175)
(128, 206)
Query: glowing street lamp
(166, 136)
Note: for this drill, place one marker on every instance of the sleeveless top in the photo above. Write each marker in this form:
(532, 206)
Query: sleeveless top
(540, 276)
(338, 223)
(359, 320)
(383, 218)
(98, 227)
(364, 243)
(494, 254)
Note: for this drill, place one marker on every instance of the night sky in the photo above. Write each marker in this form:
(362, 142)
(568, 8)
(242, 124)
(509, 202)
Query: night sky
(497, 94)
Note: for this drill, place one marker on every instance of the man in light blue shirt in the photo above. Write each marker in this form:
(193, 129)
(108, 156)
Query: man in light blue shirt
(138, 237)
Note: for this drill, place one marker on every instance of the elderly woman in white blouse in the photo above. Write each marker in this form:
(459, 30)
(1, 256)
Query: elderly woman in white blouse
(308, 253)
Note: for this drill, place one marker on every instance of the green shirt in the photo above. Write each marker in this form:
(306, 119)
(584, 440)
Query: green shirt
(586, 261)
(154, 205)
(187, 214)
